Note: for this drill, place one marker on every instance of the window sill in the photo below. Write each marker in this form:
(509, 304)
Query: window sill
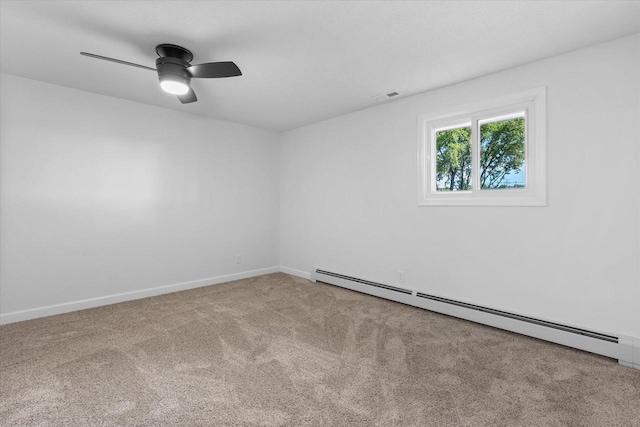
(504, 198)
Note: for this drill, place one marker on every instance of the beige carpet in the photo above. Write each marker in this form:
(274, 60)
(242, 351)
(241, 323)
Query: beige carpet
(277, 350)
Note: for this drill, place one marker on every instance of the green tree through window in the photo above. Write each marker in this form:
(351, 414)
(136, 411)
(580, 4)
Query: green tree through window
(502, 156)
(501, 152)
(453, 159)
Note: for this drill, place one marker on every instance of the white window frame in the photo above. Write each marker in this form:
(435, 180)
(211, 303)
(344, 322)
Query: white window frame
(533, 103)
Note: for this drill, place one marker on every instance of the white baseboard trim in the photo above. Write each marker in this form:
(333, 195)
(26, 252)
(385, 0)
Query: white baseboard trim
(294, 272)
(50, 310)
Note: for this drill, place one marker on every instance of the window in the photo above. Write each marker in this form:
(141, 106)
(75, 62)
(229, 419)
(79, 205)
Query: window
(487, 154)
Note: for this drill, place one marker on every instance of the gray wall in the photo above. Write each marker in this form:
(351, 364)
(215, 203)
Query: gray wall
(349, 203)
(102, 196)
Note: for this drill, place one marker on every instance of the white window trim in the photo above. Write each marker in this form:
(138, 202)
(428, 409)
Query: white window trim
(533, 101)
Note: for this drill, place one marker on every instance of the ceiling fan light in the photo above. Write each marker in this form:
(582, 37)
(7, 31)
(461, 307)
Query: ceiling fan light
(174, 87)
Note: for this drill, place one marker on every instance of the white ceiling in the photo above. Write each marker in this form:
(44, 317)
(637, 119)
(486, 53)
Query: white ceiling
(302, 61)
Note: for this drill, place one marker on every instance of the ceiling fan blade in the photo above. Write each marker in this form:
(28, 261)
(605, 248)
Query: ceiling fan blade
(188, 97)
(215, 70)
(91, 55)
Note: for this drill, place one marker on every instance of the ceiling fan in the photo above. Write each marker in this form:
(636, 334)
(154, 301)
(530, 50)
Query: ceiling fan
(175, 71)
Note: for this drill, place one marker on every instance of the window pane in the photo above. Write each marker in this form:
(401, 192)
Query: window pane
(453, 159)
(502, 152)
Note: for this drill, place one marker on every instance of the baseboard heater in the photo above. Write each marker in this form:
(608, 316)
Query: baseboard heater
(583, 339)
(364, 282)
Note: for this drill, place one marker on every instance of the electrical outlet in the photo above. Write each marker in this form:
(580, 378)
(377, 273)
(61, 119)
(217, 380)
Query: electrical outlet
(401, 276)
(239, 259)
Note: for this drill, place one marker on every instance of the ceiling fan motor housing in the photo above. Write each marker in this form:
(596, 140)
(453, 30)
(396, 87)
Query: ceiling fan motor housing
(173, 69)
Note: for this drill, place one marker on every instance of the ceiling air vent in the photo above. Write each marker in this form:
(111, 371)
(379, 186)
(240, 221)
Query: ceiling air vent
(384, 96)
